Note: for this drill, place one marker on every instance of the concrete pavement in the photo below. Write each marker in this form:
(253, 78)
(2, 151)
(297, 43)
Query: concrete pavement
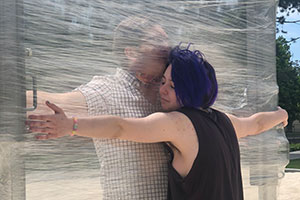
(294, 155)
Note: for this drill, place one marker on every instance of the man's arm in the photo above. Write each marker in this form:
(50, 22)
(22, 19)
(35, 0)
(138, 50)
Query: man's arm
(73, 103)
(258, 122)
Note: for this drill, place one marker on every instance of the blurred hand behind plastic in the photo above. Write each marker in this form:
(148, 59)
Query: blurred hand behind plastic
(284, 116)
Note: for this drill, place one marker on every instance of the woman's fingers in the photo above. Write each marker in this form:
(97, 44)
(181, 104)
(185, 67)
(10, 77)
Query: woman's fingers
(47, 136)
(285, 123)
(41, 117)
(55, 108)
(51, 133)
(40, 124)
(41, 130)
(50, 124)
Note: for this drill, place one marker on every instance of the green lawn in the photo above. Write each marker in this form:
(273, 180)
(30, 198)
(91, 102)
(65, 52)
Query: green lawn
(294, 164)
(294, 147)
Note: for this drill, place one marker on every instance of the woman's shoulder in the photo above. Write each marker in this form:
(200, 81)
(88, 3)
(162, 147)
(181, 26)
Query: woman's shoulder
(176, 114)
(207, 111)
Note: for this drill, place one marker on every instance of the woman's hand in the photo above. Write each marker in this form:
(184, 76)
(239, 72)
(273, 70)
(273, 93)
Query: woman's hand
(284, 115)
(55, 126)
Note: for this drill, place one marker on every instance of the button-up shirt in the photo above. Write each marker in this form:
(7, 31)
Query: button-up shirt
(128, 170)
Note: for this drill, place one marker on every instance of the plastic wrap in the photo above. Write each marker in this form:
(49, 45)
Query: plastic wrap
(64, 43)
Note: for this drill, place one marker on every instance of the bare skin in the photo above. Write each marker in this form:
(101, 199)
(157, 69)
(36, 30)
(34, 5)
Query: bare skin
(73, 103)
(172, 127)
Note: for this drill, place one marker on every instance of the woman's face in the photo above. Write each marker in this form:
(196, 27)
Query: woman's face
(167, 92)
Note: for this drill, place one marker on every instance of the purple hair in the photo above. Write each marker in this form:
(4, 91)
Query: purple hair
(194, 78)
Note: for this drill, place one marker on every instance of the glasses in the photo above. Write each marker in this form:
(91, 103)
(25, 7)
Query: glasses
(147, 78)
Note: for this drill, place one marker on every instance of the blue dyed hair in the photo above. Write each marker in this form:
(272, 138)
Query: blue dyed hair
(194, 78)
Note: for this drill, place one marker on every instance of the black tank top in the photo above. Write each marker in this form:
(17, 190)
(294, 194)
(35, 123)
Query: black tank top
(216, 172)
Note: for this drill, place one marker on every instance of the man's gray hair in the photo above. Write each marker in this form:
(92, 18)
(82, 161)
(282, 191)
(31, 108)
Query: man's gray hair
(130, 33)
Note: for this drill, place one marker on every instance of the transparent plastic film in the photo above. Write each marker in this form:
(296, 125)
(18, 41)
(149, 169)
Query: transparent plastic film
(55, 46)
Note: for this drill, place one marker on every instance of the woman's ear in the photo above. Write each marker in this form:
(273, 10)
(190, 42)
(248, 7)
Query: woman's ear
(131, 53)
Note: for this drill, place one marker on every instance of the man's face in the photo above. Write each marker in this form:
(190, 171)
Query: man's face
(152, 56)
(151, 67)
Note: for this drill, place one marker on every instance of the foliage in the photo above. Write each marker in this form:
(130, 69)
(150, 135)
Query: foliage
(295, 164)
(287, 7)
(288, 81)
(294, 147)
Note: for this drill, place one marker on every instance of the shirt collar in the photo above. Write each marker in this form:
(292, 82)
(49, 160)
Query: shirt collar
(127, 78)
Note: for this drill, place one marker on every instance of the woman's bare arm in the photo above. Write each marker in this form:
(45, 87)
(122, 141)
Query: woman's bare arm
(258, 123)
(158, 127)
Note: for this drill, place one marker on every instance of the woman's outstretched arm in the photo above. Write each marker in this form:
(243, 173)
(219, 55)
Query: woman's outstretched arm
(157, 127)
(258, 122)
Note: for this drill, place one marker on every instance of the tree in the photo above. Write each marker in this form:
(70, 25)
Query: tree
(288, 80)
(287, 7)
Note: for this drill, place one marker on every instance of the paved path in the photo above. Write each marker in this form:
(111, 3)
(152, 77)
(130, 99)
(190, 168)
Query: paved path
(89, 189)
(294, 155)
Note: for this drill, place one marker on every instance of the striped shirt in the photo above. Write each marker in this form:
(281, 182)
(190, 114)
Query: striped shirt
(128, 170)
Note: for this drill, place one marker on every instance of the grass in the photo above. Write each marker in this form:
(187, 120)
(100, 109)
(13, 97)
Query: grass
(295, 164)
(295, 147)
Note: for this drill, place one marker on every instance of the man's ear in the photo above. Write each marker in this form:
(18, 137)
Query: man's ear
(131, 53)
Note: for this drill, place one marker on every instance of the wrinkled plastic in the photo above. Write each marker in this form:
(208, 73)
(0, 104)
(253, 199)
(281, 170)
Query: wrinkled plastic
(64, 43)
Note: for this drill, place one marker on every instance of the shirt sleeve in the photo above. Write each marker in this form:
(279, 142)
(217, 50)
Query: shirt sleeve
(95, 93)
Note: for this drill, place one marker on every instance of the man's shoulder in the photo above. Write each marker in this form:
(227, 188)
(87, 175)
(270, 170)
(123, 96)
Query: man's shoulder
(103, 78)
(102, 81)
(99, 85)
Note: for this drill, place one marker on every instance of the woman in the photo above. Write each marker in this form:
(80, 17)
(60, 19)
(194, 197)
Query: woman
(205, 158)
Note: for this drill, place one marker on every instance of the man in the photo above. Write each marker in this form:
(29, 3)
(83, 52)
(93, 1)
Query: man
(128, 170)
